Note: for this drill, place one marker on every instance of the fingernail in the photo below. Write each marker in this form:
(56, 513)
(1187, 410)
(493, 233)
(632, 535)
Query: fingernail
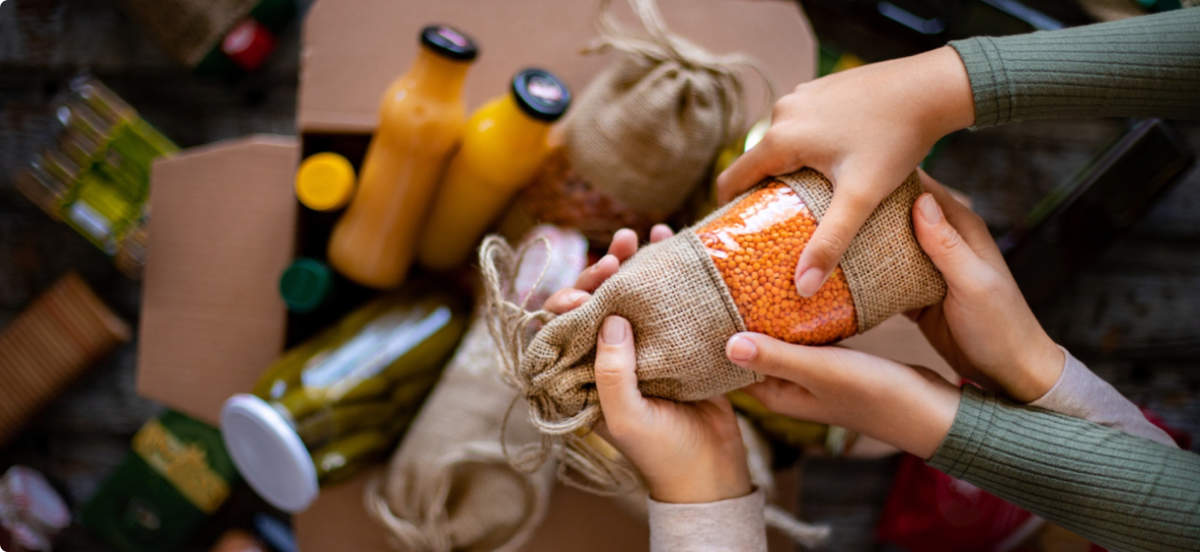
(810, 281)
(929, 209)
(740, 349)
(576, 296)
(613, 331)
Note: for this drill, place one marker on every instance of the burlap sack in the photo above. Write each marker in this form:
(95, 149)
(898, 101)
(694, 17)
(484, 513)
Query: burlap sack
(645, 131)
(450, 485)
(682, 314)
(886, 269)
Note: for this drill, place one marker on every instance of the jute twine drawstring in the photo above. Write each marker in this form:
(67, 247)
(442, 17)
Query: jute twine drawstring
(430, 531)
(584, 463)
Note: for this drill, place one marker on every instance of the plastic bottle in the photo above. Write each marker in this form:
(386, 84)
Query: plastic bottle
(503, 145)
(420, 121)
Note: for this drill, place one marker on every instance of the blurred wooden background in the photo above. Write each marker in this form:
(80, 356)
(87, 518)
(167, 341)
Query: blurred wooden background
(1134, 316)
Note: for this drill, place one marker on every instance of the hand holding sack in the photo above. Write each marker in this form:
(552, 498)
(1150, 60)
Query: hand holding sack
(450, 486)
(687, 295)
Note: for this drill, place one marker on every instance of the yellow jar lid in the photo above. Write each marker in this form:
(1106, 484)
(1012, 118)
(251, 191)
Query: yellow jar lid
(325, 182)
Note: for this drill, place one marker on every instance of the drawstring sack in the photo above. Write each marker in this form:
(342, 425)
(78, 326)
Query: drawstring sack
(685, 296)
(450, 485)
(644, 133)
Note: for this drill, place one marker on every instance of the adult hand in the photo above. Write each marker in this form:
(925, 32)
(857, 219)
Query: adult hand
(865, 129)
(687, 452)
(983, 328)
(910, 408)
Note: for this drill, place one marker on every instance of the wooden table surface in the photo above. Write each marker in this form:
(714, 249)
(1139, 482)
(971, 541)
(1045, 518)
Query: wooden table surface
(1134, 315)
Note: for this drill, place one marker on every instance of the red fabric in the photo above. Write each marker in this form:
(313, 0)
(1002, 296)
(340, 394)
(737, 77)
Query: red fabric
(1181, 437)
(930, 511)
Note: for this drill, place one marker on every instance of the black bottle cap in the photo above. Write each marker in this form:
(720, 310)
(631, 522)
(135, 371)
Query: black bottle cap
(449, 42)
(540, 94)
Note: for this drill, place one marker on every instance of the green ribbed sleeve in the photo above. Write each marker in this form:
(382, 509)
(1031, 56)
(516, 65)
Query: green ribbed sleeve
(1120, 491)
(1146, 66)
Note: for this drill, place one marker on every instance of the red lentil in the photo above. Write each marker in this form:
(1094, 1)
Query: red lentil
(755, 246)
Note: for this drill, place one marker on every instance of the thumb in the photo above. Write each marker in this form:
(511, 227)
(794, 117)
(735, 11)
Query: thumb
(771, 357)
(947, 249)
(616, 373)
(852, 203)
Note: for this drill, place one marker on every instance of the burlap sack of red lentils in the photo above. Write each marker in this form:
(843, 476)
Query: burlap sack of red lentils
(682, 313)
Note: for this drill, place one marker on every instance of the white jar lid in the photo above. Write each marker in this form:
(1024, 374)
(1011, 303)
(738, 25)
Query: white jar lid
(268, 453)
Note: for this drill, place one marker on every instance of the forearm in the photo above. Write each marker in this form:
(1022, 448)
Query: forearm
(1081, 393)
(736, 524)
(1140, 67)
(1120, 491)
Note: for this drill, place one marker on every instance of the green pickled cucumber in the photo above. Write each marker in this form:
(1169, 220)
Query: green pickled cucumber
(409, 395)
(392, 348)
(331, 422)
(337, 460)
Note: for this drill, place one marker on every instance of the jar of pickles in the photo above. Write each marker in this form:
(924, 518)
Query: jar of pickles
(342, 399)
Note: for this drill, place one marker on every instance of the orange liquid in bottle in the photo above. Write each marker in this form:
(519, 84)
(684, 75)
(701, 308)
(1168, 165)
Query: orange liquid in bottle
(420, 121)
(502, 146)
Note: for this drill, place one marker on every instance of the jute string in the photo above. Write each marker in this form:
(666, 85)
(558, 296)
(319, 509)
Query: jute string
(583, 464)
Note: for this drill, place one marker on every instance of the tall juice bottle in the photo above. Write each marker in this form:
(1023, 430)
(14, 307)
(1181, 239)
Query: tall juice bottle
(420, 121)
(503, 144)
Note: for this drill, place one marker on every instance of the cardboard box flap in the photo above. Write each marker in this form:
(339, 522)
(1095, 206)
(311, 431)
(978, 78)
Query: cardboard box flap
(352, 50)
(221, 232)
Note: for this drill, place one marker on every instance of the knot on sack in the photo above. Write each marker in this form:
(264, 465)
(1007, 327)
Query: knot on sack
(658, 44)
(586, 460)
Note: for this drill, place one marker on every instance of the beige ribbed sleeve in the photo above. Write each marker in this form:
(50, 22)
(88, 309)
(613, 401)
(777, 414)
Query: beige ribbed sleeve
(733, 525)
(1145, 66)
(1120, 491)
(1079, 392)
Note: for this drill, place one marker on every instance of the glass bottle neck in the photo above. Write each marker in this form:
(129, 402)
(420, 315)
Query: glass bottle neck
(437, 75)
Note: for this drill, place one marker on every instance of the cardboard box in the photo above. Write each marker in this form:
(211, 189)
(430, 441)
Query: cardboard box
(224, 215)
(221, 232)
(352, 50)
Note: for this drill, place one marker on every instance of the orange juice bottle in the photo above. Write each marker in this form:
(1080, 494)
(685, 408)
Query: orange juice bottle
(420, 121)
(503, 144)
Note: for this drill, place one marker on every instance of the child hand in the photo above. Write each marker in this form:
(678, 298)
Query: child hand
(910, 408)
(686, 452)
(983, 328)
(865, 129)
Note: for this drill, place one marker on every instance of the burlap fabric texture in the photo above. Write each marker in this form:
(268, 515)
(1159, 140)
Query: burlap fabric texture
(682, 315)
(886, 269)
(645, 131)
(450, 485)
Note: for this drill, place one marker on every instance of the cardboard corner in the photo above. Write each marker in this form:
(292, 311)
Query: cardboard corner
(220, 233)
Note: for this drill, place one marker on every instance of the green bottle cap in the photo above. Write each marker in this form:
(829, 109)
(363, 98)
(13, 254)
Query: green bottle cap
(305, 284)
